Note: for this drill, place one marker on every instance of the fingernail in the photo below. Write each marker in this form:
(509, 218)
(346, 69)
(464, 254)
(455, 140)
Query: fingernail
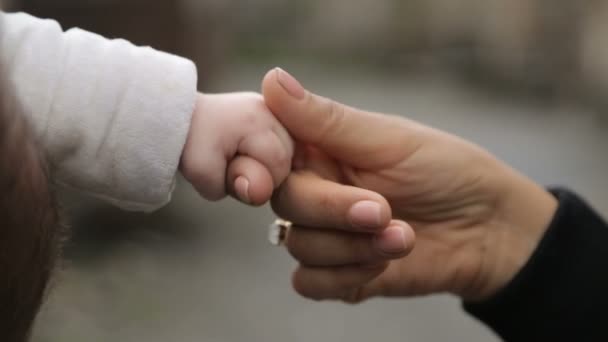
(366, 215)
(290, 84)
(392, 240)
(241, 186)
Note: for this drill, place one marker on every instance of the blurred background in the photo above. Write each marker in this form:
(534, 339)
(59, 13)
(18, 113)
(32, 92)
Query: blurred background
(527, 79)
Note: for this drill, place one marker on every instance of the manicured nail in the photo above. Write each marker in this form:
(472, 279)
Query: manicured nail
(241, 186)
(366, 215)
(290, 84)
(392, 240)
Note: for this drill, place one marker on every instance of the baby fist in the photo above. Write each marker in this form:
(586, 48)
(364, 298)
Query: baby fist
(235, 145)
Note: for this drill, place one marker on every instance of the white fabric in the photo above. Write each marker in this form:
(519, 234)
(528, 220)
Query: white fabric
(113, 117)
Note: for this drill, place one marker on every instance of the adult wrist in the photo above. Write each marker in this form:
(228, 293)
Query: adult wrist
(559, 293)
(523, 215)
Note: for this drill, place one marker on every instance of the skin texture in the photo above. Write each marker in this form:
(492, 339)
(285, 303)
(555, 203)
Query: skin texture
(236, 146)
(31, 234)
(448, 216)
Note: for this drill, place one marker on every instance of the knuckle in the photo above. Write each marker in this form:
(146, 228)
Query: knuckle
(281, 158)
(284, 157)
(257, 113)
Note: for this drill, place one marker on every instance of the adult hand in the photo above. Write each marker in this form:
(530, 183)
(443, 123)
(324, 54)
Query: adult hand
(360, 176)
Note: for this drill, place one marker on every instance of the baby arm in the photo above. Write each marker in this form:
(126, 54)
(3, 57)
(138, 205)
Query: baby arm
(114, 119)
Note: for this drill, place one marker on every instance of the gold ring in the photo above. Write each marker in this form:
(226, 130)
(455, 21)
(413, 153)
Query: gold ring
(277, 231)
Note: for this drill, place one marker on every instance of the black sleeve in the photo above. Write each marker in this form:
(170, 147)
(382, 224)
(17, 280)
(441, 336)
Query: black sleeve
(562, 292)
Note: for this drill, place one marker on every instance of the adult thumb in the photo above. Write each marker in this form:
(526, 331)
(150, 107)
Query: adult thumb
(357, 137)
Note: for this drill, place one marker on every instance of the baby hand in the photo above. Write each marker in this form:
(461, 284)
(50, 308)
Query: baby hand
(235, 145)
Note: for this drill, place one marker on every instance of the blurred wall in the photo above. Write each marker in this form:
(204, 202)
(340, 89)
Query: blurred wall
(547, 47)
(555, 46)
(159, 23)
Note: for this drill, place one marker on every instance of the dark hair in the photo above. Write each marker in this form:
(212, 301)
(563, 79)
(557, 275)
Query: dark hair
(30, 230)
